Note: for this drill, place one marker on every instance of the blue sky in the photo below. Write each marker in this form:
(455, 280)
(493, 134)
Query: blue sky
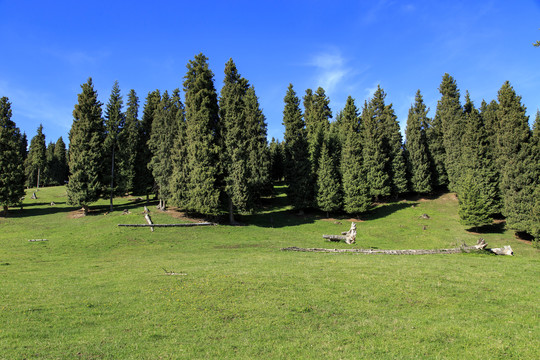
(49, 48)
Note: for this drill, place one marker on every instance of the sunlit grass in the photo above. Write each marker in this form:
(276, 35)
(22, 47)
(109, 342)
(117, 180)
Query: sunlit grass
(97, 291)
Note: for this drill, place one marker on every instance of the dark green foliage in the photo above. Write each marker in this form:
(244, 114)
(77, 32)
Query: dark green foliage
(203, 131)
(258, 162)
(474, 206)
(144, 181)
(317, 116)
(60, 169)
(11, 159)
(417, 147)
(47, 176)
(86, 139)
(24, 146)
(276, 160)
(476, 157)
(449, 117)
(36, 160)
(375, 145)
(328, 184)
(396, 153)
(297, 165)
(356, 195)
(516, 159)
(161, 143)
(234, 125)
(114, 122)
(128, 146)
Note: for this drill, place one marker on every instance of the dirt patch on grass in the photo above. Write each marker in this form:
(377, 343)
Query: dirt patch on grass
(75, 214)
(175, 213)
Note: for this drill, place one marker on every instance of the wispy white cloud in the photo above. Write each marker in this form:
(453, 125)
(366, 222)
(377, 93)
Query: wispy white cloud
(31, 108)
(331, 70)
(370, 91)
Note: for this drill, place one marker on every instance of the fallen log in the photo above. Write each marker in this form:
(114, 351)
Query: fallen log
(149, 221)
(349, 236)
(33, 240)
(169, 225)
(481, 245)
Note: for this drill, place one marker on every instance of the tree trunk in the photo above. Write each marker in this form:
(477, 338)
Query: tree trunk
(37, 185)
(85, 209)
(231, 213)
(5, 212)
(112, 179)
(149, 221)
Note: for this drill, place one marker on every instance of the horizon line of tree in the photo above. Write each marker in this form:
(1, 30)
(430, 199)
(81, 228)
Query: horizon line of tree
(210, 153)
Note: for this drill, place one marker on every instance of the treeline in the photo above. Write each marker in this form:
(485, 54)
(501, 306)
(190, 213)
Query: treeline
(489, 156)
(210, 154)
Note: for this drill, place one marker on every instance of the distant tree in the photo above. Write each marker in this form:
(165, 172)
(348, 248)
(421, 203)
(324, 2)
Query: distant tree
(515, 158)
(488, 113)
(474, 207)
(203, 131)
(11, 159)
(128, 146)
(417, 146)
(161, 143)
(60, 170)
(144, 181)
(328, 185)
(297, 165)
(258, 162)
(48, 169)
(36, 159)
(24, 146)
(449, 116)
(276, 160)
(86, 139)
(534, 222)
(356, 195)
(114, 122)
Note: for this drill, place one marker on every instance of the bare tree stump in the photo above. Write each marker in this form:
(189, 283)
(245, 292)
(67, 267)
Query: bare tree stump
(349, 237)
(34, 196)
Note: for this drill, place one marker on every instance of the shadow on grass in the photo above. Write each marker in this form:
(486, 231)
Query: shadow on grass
(385, 210)
(496, 228)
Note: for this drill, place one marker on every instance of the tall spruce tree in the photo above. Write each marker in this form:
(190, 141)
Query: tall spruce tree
(488, 112)
(535, 213)
(515, 158)
(86, 139)
(203, 131)
(128, 146)
(297, 166)
(356, 195)
(24, 146)
(114, 122)
(317, 115)
(476, 160)
(234, 124)
(397, 163)
(48, 169)
(11, 159)
(328, 184)
(474, 206)
(375, 145)
(36, 160)
(417, 147)
(144, 181)
(449, 117)
(161, 143)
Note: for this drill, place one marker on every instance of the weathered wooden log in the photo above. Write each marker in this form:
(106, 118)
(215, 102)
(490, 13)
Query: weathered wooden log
(349, 237)
(34, 196)
(149, 221)
(146, 211)
(33, 240)
(169, 225)
(481, 245)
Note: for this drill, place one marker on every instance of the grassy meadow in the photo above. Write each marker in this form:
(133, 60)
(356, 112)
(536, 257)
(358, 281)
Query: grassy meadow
(98, 291)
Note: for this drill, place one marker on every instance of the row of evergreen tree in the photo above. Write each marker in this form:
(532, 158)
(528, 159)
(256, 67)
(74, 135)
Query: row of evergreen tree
(201, 156)
(489, 156)
(211, 153)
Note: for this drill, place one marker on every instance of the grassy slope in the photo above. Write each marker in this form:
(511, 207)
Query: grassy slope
(95, 290)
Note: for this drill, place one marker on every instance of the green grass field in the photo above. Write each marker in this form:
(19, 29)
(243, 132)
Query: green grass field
(98, 291)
